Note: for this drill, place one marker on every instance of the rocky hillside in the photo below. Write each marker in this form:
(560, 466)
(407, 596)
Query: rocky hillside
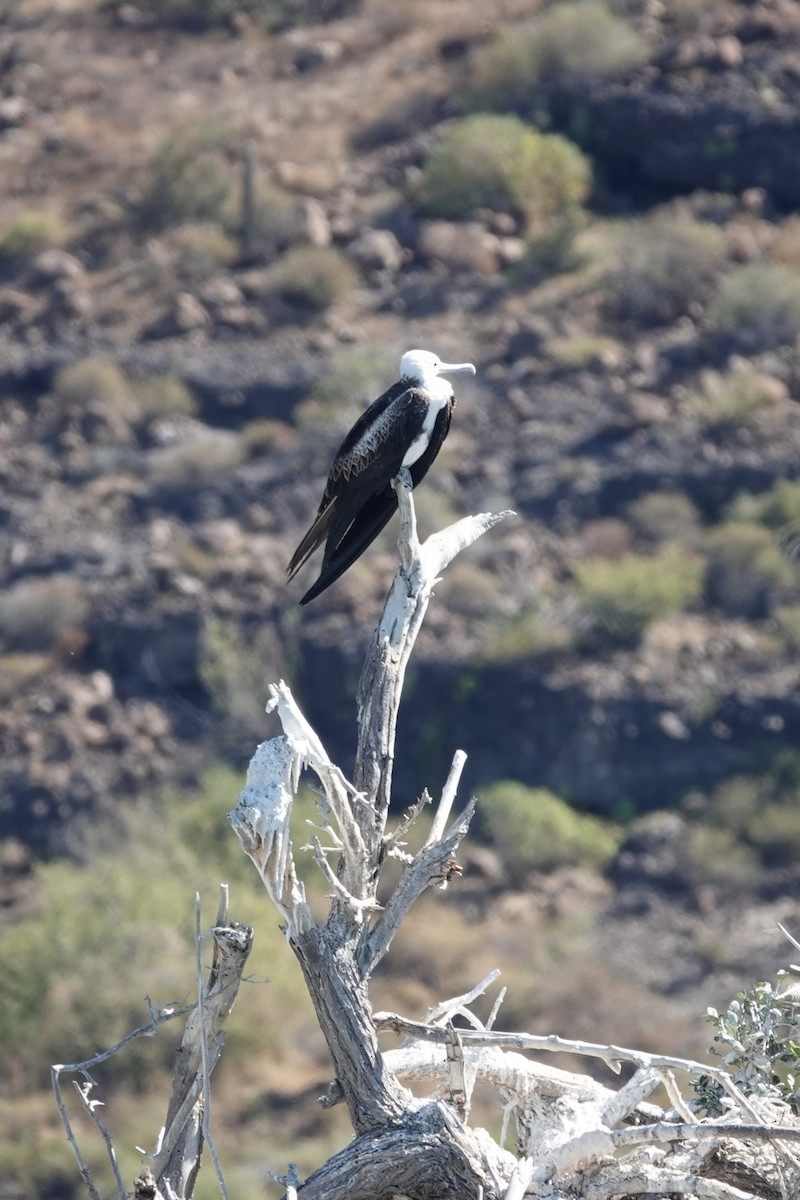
(216, 237)
(220, 225)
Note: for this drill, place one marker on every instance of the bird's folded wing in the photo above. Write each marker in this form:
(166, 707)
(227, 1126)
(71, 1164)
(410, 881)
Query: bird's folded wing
(362, 531)
(314, 538)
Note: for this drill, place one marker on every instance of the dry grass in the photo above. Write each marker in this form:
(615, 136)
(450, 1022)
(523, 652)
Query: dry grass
(36, 614)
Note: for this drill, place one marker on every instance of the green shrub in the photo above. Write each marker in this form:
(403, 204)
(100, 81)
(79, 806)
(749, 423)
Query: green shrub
(272, 222)
(663, 266)
(28, 235)
(267, 436)
(200, 249)
(499, 162)
(758, 306)
(578, 353)
(198, 460)
(788, 621)
(35, 614)
(662, 517)
(624, 595)
(94, 383)
(313, 277)
(99, 923)
(18, 669)
(533, 830)
(569, 43)
(775, 833)
(754, 819)
(188, 180)
(554, 250)
(744, 567)
(164, 395)
(733, 398)
(714, 854)
(776, 508)
(529, 634)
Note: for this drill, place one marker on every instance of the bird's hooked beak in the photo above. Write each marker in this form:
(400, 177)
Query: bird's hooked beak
(454, 368)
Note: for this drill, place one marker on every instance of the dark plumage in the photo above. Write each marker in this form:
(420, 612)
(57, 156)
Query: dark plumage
(404, 427)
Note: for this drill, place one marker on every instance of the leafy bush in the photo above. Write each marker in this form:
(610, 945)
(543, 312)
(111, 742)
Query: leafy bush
(535, 831)
(28, 235)
(569, 43)
(788, 621)
(189, 180)
(777, 508)
(529, 634)
(93, 383)
(713, 854)
(313, 277)
(272, 223)
(98, 923)
(198, 460)
(758, 1039)
(758, 306)
(199, 249)
(554, 250)
(665, 517)
(499, 162)
(744, 566)
(734, 397)
(160, 395)
(755, 818)
(663, 267)
(35, 614)
(19, 669)
(624, 595)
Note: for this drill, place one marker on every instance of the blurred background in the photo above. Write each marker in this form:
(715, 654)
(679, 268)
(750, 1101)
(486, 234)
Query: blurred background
(221, 223)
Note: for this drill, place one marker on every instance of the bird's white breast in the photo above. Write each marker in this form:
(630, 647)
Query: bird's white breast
(440, 393)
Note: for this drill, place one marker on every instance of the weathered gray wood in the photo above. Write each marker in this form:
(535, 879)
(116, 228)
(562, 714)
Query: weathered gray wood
(178, 1160)
(571, 1132)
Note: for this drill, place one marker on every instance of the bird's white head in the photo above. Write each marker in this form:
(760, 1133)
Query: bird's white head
(422, 368)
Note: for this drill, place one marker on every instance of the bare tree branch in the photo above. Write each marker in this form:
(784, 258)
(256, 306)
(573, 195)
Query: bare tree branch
(178, 1159)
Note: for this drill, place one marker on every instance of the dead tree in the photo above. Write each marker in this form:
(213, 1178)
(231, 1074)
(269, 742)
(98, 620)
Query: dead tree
(574, 1138)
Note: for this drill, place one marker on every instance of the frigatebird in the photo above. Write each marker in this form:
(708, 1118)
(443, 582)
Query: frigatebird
(405, 427)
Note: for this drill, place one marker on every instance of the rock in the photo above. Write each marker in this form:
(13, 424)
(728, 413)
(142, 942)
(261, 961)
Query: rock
(219, 292)
(461, 245)
(131, 17)
(54, 264)
(71, 300)
(15, 304)
(312, 223)
(729, 51)
(317, 179)
(13, 111)
(186, 316)
(189, 313)
(317, 54)
(511, 250)
(377, 249)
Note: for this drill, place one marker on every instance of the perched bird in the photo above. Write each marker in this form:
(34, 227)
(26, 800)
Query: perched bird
(405, 427)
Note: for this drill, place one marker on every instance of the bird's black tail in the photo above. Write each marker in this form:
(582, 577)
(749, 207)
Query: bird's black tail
(363, 531)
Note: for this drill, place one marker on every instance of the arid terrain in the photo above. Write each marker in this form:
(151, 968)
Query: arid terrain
(220, 226)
